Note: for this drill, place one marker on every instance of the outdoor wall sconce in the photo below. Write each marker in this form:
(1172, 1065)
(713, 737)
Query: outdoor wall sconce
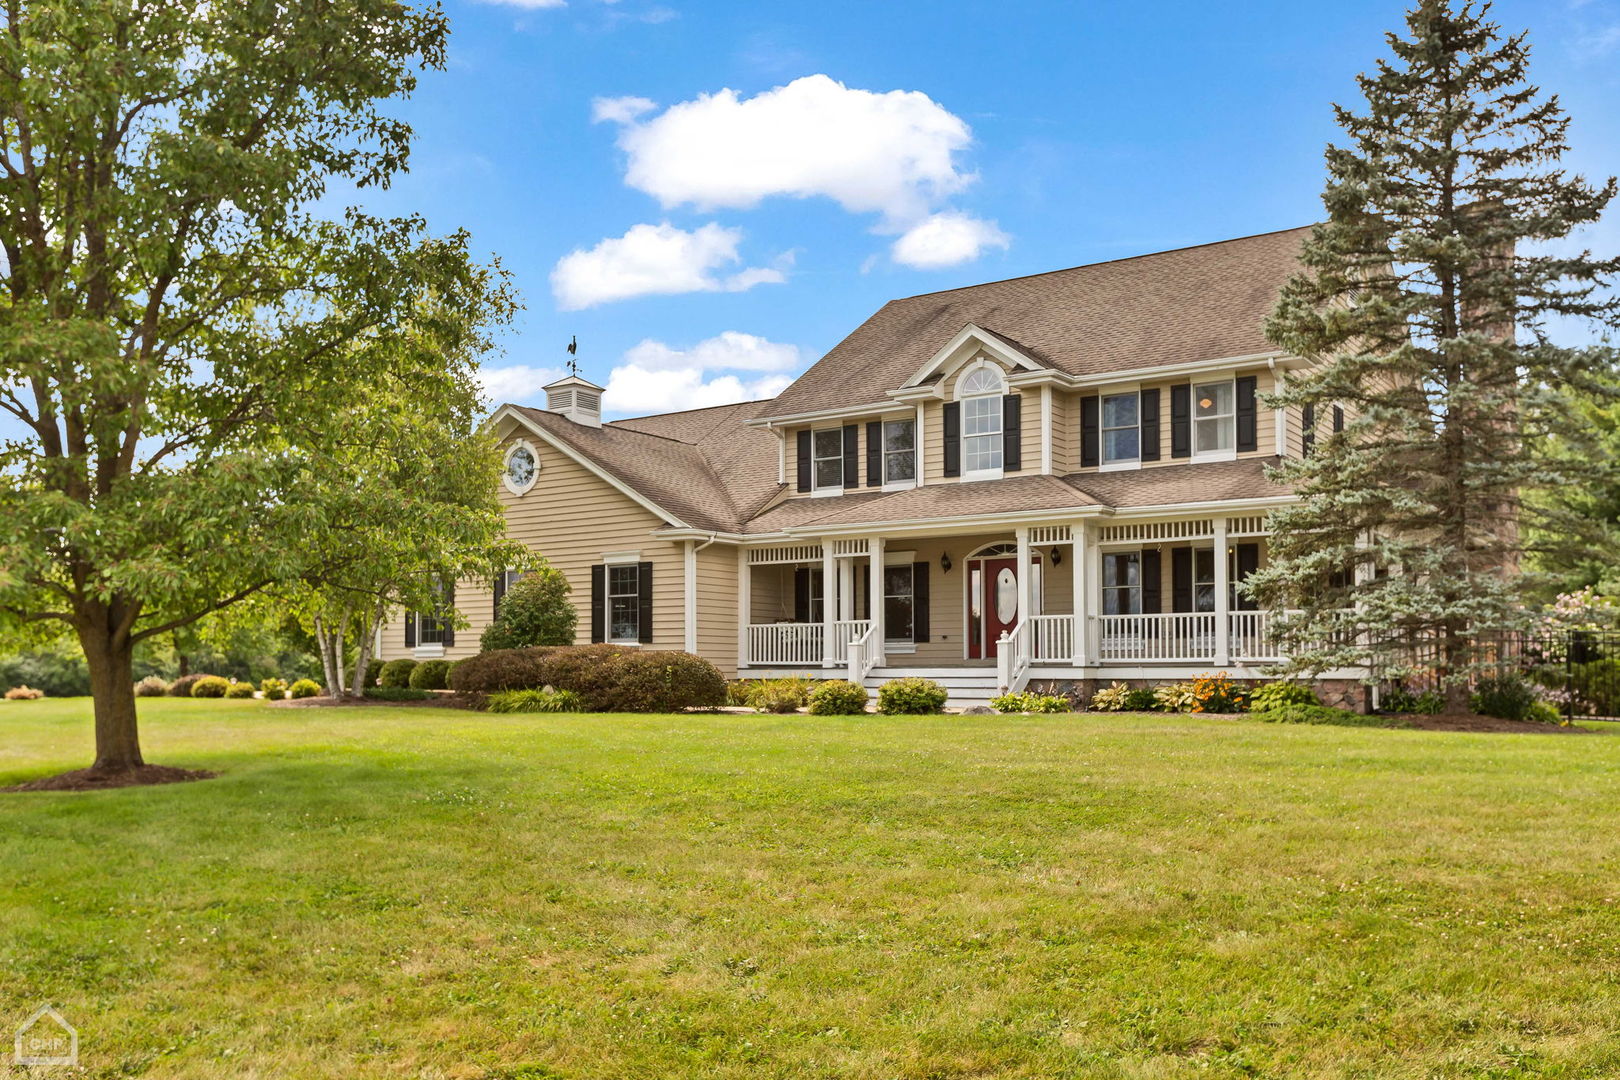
(945, 562)
(1057, 557)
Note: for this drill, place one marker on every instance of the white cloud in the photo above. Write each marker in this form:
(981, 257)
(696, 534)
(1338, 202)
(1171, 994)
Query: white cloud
(889, 153)
(620, 110)
(946, 239)
(518, 384)
(655, 260)
(655, 377)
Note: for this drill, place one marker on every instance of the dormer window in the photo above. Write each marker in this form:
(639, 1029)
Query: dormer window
(980, 392)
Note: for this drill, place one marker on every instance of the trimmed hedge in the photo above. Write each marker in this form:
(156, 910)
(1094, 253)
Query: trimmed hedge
(304, 688)
(210, 686)
(911, 697)
(780, 695)
(501, 669)
(239, 690)
(838, 697)
(607, 678)
(396, 673)
(151, 686)
(181, 687)
(429, 675)
(274, 689)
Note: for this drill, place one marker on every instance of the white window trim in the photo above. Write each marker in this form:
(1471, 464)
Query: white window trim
(1211, 455)
(614, 560)
(506, 479)
(815, 482)
(428, 652)
(1000, 433)
(619, 558)
(1124, 464)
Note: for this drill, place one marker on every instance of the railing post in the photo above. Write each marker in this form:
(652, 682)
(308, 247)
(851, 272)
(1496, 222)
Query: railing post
(1004, 663)
(875, 596)
(852, 658)
(1080, 557)
(1223, 605)
(829, 658)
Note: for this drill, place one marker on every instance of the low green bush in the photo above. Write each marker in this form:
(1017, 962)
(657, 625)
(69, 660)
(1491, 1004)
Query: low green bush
(838, 697)
(393, 693)
(1175, 697)
(273, 689)
(181, 687)
(1402, 700)
(500, 669)
(1274, 695)
(1115, 697)
(780, 695)
(543, 700)
(396, 673)
(1507, 697)
(536, 610)
(1544, 712)
(239, 690)
(210, 686)
(1027, 702)
(1322, 714)
(304, 688)
(374, 668)
(737, 691)
(608, 678)
(429, 675)
(24, 693)
(911, 697)
(151, 686)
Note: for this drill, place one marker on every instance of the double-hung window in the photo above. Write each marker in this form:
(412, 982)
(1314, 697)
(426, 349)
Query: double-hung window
(899, 603)
(981, 392)
(1122, 583)
(1121, 429)
(827, 456)
(1215, 420)
(899, 451)
(1203, 579)
(624, 603)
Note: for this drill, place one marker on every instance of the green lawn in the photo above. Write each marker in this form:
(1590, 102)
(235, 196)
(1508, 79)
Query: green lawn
(421, 892)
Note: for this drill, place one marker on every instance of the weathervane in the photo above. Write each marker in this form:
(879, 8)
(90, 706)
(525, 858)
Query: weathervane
(573, 351)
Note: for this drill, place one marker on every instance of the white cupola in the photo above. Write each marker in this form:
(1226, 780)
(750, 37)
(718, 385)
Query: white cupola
(578, 399)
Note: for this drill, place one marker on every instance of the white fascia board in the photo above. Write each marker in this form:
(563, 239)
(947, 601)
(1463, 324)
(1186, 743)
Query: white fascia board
(591, 466)
(985, 342)
(840, 413)
(919, 526)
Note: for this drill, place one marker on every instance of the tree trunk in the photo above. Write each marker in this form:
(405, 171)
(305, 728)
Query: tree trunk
(323, 645)
(362, 649)
(110, 656)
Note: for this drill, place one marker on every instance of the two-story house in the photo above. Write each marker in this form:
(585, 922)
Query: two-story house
(1060, 476)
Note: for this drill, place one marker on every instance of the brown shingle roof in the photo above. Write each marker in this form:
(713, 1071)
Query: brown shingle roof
(1168, 485)
(1197, 303)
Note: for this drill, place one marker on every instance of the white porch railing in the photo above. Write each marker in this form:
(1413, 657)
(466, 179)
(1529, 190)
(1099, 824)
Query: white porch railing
(846, 632)
(786, 643)
(1176, 636)
(1251, 636)
(1053, 639)
(1013, 658)
(861, 654)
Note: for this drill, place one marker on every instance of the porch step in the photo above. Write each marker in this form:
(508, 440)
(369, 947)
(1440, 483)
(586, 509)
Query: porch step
(966, 687)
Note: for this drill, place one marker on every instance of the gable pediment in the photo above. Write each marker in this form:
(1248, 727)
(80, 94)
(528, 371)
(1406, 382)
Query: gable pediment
(971, 344)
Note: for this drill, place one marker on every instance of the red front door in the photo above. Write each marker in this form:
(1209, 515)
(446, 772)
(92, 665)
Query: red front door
(998, 601)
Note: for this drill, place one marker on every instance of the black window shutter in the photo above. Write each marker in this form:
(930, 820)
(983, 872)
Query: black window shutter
(874, 453)
(598, 604)
(953, 438)
(1307, 423)
(1181, 421)
(919, 602)
(852, 455)
(445, 610)
(410, 629)
(644, 594)
(1150, 425)
(1152, 587)
(1090, 432)
(804, 461)
(1248, 561)
(1012, 432)
(1338, 418)
(500, 593)
(1247, 414)
(1181, 579)
(801, 594)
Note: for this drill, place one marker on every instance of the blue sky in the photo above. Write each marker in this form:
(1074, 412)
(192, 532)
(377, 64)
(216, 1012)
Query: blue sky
(823, 158)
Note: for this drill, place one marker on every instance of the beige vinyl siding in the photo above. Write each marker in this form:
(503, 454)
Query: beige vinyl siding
(1029, 430)
(1265, 424)
(1065, 433)
(573, 517)
(717, 606)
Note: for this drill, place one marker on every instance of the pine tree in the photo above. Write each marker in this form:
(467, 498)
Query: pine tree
(1423, 312)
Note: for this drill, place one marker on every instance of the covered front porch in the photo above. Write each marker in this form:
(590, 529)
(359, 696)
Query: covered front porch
(1049, 600)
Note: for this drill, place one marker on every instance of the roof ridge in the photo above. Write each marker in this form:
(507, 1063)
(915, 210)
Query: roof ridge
(683, 412)
(609, 424)
(1102, 262)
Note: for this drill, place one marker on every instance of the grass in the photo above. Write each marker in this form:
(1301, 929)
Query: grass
(420, 892)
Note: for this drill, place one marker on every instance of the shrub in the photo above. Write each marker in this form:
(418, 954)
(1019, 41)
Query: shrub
(543, 700)
(1115, 697)
(374, 668)
(152, 686)
(181, 687)
(1507, 697)
(210, 686)
(780, 695)
(1141, 699)
(738, 690)
(1274, 695)
(1027, 702)
(394, 693)
(838, 697)
(396, 673)
(1218, 694)
(1322, 714)
(911, 697)
(304, 688)
(535, 611)
(429, 675)
(273, 689)
(499, 669)
(239, 690)
(24, 693)
(1175, 697)
(1402, 700)
(1544, 712)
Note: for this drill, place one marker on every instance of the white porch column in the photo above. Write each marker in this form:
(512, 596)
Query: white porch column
(1080, 556)
(691, 596)
(829, 657)
(874, 598)
(1223, 620)
(846, 589)
(1024, 573)
(745, 596)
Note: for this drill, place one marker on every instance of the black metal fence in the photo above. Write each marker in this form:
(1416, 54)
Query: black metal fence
(1579, 669)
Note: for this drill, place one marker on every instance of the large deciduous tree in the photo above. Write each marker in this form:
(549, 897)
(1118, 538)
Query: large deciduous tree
(1424, 306)
(188, 350)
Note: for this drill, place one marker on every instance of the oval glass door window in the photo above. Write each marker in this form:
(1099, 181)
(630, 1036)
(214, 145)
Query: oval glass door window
(1006, 596)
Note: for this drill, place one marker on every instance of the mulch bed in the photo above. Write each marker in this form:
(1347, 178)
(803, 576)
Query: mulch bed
(102, 779)
(1489, 724)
